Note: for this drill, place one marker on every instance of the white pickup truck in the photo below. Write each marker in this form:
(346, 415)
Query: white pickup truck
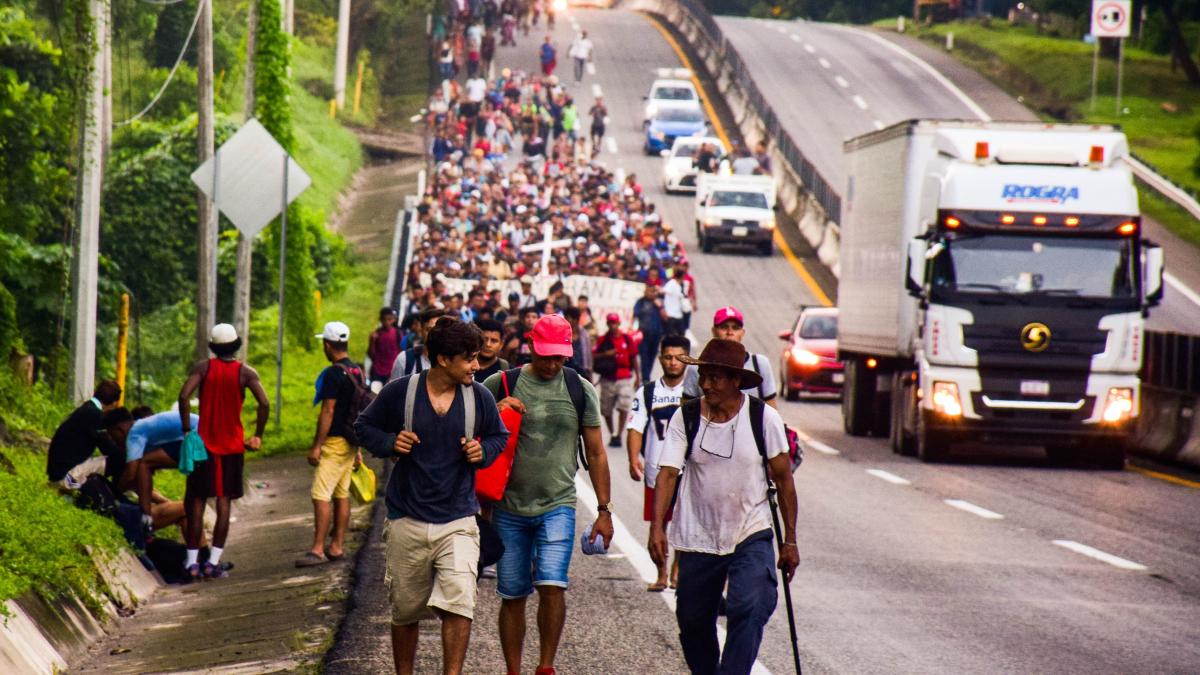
(735, 210)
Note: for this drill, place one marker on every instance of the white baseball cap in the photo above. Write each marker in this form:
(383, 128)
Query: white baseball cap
(335, 331)
(222, 334)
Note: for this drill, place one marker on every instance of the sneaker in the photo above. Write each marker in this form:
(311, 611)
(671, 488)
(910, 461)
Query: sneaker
(488, 572)
(614, 442)
(212, 571)
(192, 574)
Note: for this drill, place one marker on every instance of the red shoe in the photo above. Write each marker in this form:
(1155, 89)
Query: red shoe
(545, 670)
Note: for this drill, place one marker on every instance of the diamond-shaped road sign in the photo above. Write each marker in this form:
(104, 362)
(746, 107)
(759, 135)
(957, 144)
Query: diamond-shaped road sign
(249, 183)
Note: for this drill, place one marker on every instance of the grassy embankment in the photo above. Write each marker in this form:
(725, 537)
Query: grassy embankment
(1160, 111)
(42, 535)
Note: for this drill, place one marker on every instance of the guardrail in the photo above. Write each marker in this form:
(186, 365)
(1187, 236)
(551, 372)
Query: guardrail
(1172, 361)
(1167, 428)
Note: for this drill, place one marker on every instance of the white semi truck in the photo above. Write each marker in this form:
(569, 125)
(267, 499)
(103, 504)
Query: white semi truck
(994, 284)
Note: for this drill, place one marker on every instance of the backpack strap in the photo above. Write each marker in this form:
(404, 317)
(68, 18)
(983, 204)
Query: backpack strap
(691, 425)
(468, 392)
(757, 411)
(410, 400)
(575, 391)
(754, 364)
(648, 398)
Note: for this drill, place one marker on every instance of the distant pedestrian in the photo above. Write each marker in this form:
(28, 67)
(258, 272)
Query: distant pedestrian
(729, 324)
(648, 311)
(536, 517)
(384, 346)
(414, 359)
(763, 157)
(487, 50)
(548, 55)
(491, 333)
(653, 407)
(673, 299)
(69, 460)
(332, 452)
(599, 114)
(581, 51)
(727, 446)
(432, 537)
(745, 163)
(581, 344)
(222, 382)
(615, 359)
(446, 61)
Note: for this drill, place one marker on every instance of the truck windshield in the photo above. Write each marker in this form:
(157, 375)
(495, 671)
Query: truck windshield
(753, 200)
(1030, 265)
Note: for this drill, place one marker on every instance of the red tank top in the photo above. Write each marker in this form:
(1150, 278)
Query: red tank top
(221, 408)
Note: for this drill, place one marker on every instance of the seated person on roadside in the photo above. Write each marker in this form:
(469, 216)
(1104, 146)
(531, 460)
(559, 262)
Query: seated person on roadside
(432, 537)
(69, 461)
(721, 521)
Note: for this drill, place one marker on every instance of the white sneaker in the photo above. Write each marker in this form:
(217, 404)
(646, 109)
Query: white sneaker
(488, 572)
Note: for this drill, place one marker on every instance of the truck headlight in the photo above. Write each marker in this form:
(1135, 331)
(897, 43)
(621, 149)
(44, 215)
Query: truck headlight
(945, 399)
(1118, 405)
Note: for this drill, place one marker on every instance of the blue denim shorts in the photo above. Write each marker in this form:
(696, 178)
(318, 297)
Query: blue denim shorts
(537, 550)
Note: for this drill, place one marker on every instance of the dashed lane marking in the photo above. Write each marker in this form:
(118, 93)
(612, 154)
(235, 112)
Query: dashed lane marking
(879, 124)
(795, 38)
(809, 48)
(1097, 554)
(610, 144)
(820, 447)
(823, 61)
(637, 555)
(596, 90)
(719, 128)
(858, 101)
(841, 81)
(889, 477)
(972, 508)
(591, 68)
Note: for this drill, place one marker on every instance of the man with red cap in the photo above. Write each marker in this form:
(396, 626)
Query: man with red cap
(728, 324)
(536, 516)
(615, 360)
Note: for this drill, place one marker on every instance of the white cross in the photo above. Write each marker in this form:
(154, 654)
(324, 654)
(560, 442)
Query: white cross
(547, 245)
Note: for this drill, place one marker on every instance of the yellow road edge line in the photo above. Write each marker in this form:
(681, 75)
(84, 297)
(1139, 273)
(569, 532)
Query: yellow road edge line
(792, 258)
(1164, 477)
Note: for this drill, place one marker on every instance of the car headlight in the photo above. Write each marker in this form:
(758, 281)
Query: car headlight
(1118, 405)
(769, 224)
(945, 399)
(560, 5)
(804, 357)
(712, 221)
(651, 110)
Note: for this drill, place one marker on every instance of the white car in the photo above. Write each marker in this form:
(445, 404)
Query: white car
(670, 93)
(679, 174)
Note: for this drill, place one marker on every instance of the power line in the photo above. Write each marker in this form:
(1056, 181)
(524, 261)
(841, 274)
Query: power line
(170, 75)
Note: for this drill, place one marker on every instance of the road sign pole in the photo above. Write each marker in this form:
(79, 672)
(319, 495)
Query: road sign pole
(282, 273)
(1120, 71)
(1095, 72)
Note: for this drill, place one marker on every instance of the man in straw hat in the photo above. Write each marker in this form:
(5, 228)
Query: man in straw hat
(730, 443)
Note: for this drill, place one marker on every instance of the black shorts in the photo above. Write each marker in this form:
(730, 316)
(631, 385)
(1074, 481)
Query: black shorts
(172, 449)
(218, 476)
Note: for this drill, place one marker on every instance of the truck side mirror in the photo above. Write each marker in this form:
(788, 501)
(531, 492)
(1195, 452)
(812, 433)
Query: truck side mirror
(1152, 274)
(915, 275)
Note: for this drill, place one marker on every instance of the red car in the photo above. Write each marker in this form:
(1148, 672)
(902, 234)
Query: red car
(809, 362)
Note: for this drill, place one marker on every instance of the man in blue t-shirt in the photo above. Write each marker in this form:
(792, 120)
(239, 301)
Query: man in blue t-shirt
(648, 311)
(151, 443)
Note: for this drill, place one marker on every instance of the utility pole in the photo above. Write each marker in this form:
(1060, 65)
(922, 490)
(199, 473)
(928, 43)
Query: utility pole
(85, 261)
(341, 53)
(289, 16)
(106, 124)
(206, 227)
(245, 245)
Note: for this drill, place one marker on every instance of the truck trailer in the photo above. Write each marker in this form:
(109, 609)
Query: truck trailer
(994, 287)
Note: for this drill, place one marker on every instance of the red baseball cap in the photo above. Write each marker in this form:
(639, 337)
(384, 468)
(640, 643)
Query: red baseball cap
(612, 317)
(728, 314)
(552, 336)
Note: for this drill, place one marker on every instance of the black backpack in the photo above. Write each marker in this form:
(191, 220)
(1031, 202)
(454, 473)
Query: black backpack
(412, 359)
(359, 400)
(96, 494)
(574, 390)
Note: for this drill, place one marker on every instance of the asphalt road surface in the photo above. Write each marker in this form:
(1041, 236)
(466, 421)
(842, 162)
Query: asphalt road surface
(1031, 569)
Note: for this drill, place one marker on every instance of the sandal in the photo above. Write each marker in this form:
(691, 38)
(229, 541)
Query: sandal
(656, 587)
(332, 557)
(311, 559)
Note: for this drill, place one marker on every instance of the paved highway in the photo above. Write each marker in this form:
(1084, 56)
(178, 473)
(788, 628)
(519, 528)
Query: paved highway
(855, 80)
(1030, 569)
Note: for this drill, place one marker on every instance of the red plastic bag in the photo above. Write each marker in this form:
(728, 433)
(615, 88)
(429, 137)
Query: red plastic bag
(491, 482)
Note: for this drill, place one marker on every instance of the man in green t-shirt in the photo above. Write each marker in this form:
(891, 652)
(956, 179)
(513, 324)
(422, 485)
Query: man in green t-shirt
(536, 517)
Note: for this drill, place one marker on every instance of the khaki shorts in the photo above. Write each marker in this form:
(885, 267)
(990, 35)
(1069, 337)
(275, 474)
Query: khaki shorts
(616, 394)
(431, 566)
(332, 477)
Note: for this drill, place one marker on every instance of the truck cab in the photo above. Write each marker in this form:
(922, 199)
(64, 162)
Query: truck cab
(735, 210)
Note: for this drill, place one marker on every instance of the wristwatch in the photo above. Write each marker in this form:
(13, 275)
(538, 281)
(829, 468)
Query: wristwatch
(606, 508)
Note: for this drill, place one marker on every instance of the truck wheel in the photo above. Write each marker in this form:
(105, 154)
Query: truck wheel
(788, 393)
(931, 445)
(1110, 455)
(881, 416)
(1060, 455)
(705, 244)
(899, 438)
(858, 398)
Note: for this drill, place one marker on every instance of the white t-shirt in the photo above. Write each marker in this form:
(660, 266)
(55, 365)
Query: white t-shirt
(476, 89)
(664, 401)
(723, 494)
(401, 363)
(673, 298)
(691, 378)
(581, 48)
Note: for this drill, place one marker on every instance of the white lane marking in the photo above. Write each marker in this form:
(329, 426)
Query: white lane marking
(942, 79)
(591, 68)
(809, 48)
(637, 555)
(858, 101)
(841, 81)
(596, 91)
(611, 144)
(823, 61)
(1096, 553)
(781, 29)
(971, 508)
(820, 447)
(879, 124)
(889, 477)
(795, 38)
(1182, 288)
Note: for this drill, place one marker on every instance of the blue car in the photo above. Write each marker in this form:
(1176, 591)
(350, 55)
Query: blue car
(670, 123)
